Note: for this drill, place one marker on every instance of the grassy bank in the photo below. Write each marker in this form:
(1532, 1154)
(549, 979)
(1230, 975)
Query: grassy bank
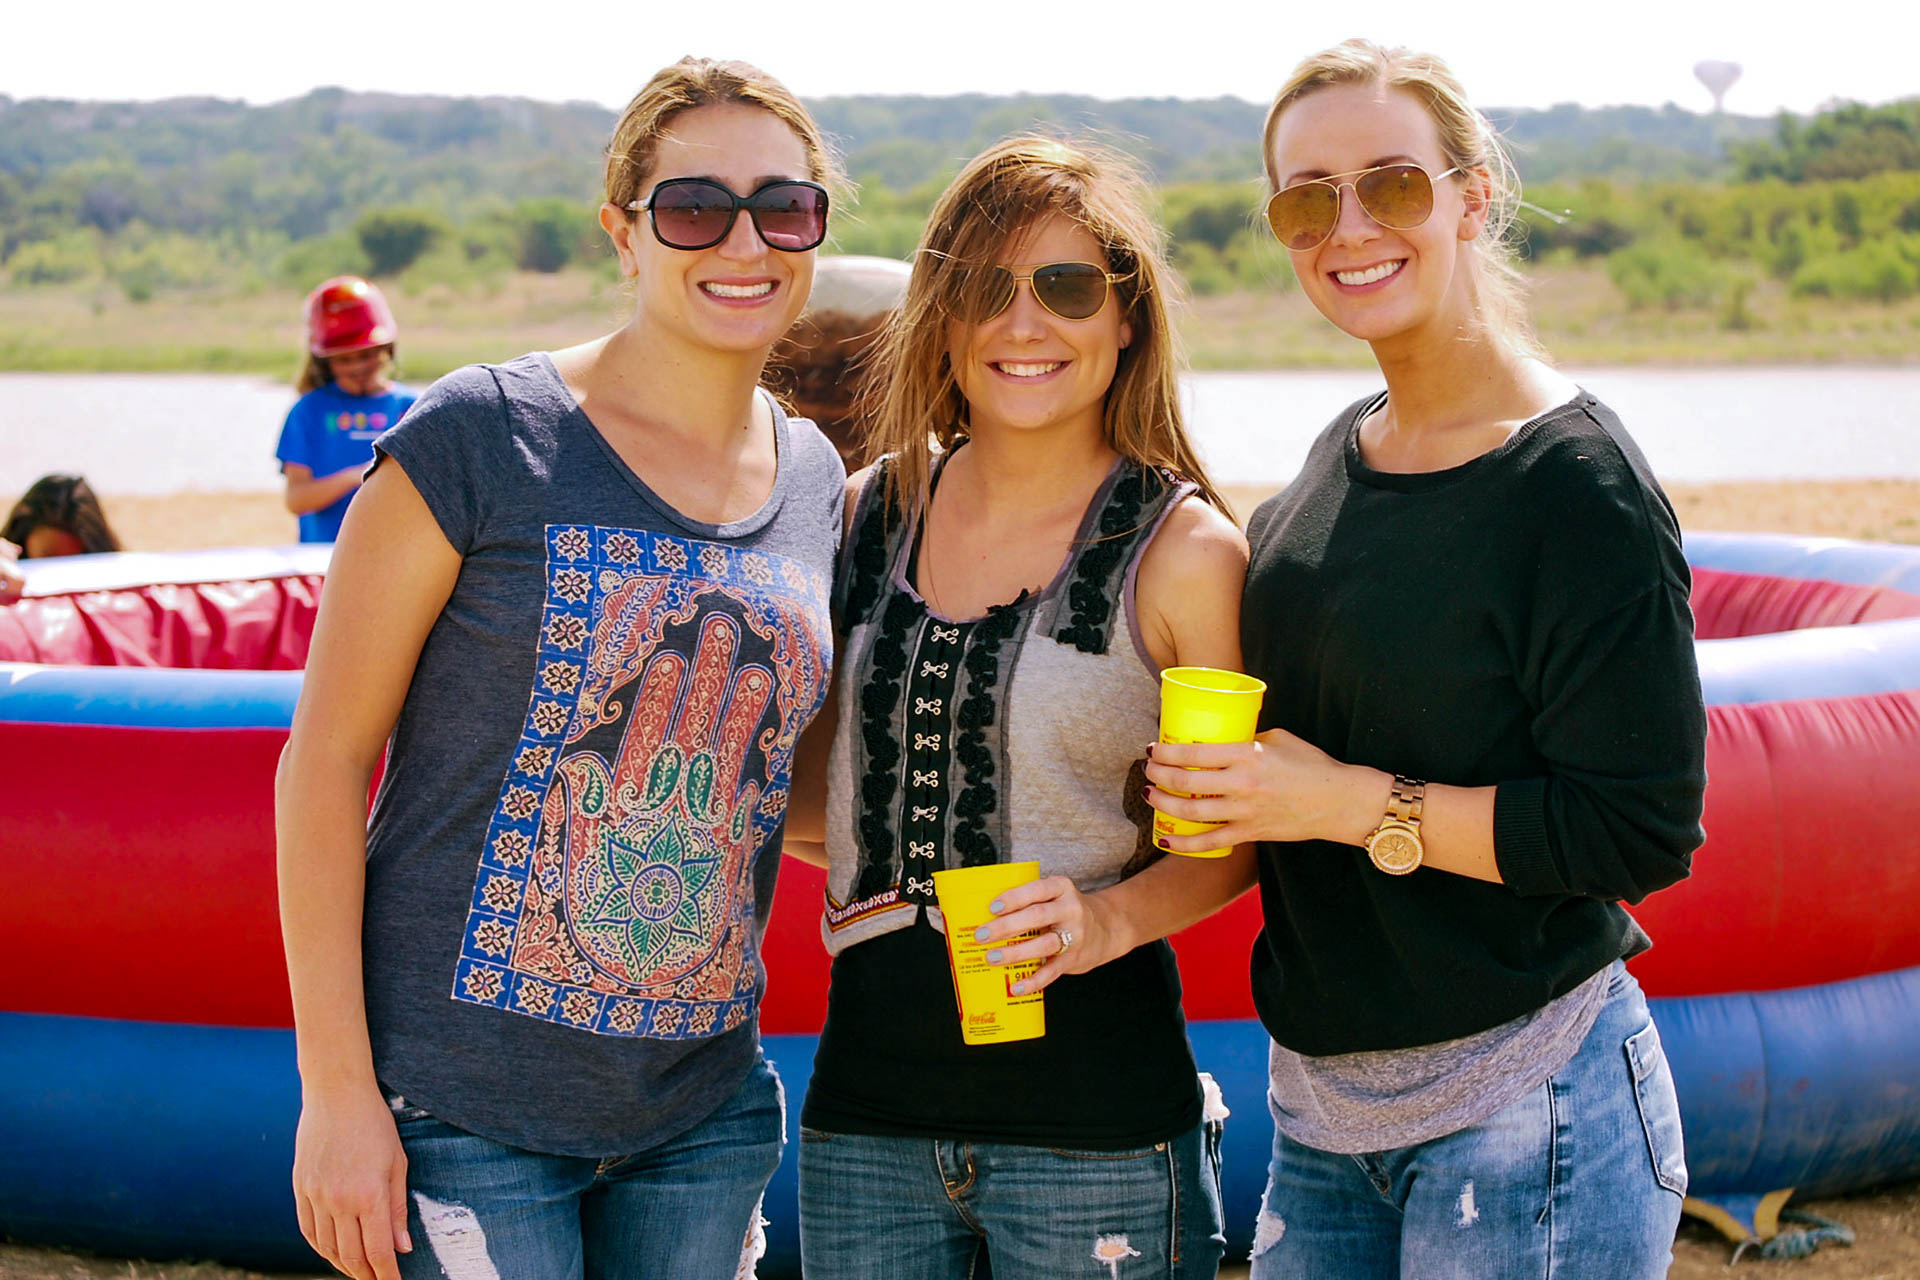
(1581, 315)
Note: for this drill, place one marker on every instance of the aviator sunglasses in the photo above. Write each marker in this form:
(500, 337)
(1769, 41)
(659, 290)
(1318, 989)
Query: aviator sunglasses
(1397, 196)
(697, 213)
(1071, 290)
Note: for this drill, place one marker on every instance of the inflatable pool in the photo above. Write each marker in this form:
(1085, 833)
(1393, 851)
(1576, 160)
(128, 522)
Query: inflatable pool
(147, 1085)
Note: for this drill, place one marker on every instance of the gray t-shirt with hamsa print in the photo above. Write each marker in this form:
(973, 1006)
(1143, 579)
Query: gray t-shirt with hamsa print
(572, 853)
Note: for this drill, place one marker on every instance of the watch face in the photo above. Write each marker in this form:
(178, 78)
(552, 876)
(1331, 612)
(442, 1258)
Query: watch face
(1395, 852)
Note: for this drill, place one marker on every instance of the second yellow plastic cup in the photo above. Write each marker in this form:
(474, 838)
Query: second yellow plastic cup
(989, 1011)
(1205, 704)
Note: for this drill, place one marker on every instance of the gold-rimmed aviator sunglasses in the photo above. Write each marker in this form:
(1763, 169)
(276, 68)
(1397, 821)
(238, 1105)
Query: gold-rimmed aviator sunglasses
(1397, 196)
(1070, 290)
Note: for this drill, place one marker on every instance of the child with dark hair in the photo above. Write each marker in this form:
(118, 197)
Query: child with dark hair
(59, 515)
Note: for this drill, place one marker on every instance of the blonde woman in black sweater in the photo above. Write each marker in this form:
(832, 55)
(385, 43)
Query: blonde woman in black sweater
(1483, 732)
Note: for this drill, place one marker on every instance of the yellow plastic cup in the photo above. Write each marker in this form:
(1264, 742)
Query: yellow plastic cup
(1204, 704)
(989, 1011)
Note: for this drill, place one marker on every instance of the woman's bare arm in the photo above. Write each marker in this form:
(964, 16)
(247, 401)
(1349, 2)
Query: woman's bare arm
(392, 571)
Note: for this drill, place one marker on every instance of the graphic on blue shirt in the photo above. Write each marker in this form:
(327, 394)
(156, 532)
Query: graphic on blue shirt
(615, 888)
(328, 430)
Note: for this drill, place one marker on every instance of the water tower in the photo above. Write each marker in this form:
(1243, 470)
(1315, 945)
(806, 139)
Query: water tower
(1718, 77)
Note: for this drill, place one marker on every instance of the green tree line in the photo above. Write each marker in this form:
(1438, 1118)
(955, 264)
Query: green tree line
(1684, 209)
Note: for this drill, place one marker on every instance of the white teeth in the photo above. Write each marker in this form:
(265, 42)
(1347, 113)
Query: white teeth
(1028, 370)
(1368, 276)
(738, 290)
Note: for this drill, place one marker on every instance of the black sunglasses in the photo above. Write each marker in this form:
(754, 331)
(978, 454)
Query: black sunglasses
(697, 213)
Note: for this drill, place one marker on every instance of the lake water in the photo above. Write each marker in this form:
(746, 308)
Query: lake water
(167, 433)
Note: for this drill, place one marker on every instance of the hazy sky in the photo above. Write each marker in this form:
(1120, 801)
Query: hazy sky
(1532, 54)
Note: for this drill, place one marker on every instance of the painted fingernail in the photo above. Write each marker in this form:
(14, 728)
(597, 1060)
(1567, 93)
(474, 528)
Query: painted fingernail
(996, 906)
(1020, 988)
(1150, 747)
(995, 956)
(980, 934)
(1162, 842)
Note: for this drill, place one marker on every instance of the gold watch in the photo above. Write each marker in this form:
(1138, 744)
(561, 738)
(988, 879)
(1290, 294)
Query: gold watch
(1395, 845)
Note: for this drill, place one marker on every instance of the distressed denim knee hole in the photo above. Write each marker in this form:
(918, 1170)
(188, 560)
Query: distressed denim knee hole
(1268, 1228)
(459, 1243)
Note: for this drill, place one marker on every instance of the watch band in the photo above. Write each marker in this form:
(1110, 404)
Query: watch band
(1408, 799)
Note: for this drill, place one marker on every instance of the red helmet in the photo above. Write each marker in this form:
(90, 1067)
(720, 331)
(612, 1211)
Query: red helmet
(347, 314)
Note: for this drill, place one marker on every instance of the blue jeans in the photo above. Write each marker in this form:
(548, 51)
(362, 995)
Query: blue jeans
(1581, 1177)
(930, 1209)
(690, 1208)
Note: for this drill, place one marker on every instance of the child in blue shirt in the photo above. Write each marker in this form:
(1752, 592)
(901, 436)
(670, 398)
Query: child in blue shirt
(347, 399)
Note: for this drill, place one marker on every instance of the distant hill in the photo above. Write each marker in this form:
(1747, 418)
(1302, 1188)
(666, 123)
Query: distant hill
(308, 165)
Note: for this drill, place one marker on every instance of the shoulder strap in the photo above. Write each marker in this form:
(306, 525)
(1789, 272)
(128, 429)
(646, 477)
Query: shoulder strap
(1140, 498)
(864, 558)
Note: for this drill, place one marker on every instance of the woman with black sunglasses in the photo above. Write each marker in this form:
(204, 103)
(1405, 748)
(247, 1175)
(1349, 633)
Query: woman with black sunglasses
(580, 605)
(1483, 732)
(1037, 542)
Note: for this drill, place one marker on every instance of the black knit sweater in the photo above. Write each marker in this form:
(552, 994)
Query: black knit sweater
(1518, 621)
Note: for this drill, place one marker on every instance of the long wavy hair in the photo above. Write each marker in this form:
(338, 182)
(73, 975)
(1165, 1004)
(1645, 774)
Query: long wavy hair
(1469, 142)
(61, 502)
(914, 406)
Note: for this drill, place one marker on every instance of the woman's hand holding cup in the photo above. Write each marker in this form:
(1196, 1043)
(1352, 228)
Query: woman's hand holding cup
(1072, 932)
(1277, 787)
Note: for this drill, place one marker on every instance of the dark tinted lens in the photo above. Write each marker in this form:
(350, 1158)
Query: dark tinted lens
(1071, 290)
(790, 215)
(1303, 215)
(691, 215)
(991, 290)
(1398, 196)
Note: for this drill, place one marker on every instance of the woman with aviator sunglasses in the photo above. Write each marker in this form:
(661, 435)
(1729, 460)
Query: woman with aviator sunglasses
(581, 608)
(1483, 731)
(1036, 543)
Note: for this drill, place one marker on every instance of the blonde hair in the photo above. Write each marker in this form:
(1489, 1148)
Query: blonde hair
(1468, 141)
(914, 405)
(702, 82)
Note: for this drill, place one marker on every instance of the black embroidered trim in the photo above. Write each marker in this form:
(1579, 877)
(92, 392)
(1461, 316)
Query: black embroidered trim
(869, 553)
(1091, 595)
(979, 798)
(934, 667)
(886, 665)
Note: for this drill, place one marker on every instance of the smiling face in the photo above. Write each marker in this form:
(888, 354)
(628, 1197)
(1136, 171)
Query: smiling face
(1377, 283)
(361, 373)
(740, 295)
(1027, 368)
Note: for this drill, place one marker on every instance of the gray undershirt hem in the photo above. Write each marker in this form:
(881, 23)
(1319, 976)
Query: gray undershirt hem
(1351, 1103)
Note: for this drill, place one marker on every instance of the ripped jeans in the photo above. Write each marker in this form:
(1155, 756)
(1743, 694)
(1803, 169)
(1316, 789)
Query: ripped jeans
(687, 1209)
(876, 1208)
(1581, 1177)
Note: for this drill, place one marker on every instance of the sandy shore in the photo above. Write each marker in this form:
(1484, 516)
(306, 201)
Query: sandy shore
(1876, 510)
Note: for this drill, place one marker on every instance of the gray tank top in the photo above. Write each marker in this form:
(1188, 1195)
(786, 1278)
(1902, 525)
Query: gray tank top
(1014, 736)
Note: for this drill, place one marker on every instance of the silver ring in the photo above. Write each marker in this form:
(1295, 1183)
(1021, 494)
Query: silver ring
(1066, 940)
